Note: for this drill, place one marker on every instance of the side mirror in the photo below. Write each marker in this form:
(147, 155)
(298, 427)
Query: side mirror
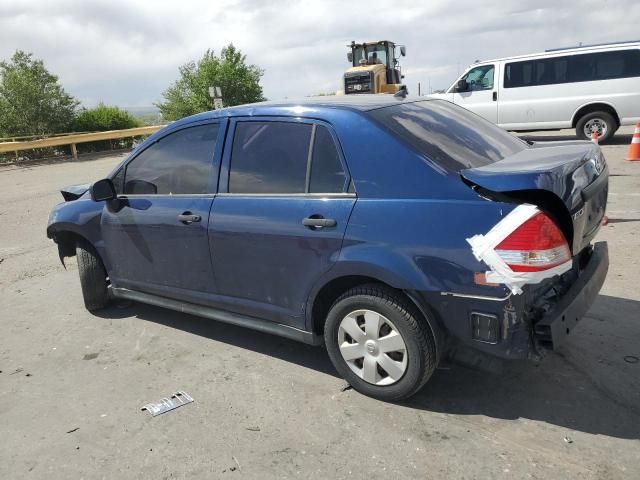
(103, 190)
(350, 57)
(462, 85)
(403, 50)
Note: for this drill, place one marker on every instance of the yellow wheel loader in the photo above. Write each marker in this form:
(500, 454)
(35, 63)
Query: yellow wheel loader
(375, 68)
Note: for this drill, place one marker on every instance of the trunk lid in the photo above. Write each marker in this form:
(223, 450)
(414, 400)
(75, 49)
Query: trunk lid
(570, 180)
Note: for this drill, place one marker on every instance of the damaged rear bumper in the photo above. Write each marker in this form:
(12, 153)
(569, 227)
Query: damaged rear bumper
(559, 318)
(525, 326)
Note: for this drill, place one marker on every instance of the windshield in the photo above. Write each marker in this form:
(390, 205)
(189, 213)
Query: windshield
(373, 54)
(449, 135)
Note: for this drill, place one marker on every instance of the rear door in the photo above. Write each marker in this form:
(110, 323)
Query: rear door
(156, 234)
(280, 217)
(482, 92)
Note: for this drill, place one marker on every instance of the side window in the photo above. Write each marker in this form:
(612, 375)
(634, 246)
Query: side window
(617, 64)
(179, 163)
(117, 180)
(327, 174)
(269, 157)
(551, 71)
(518, 74)
(584, 67)
(581, 68)
(480, 78)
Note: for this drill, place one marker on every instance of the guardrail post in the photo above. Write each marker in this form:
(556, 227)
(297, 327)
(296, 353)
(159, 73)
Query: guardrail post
(74, 151)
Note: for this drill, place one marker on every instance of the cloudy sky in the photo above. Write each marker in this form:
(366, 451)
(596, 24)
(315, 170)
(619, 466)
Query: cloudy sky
(126, 52)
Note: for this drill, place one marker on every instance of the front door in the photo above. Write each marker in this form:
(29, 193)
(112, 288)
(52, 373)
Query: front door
(156, 232)
(281, 222)
(481, 94)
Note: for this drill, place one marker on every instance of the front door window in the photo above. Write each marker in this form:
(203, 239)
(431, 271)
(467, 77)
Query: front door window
(480, 78)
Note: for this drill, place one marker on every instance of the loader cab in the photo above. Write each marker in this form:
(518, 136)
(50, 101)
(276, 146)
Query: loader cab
(374, 67)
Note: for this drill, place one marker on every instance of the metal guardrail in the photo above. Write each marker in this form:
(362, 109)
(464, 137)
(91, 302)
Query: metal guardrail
(73, 139)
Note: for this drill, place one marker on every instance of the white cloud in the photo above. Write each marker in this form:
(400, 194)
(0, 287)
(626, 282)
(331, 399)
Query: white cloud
(127, 52)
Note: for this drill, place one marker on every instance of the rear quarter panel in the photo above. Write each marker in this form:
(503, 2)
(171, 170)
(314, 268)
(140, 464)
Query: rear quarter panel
(411, 219)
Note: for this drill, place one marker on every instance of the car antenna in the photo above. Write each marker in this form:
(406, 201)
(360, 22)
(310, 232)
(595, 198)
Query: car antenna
(402, 93)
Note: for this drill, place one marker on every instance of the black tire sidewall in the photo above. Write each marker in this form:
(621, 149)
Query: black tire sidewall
(413, 376)
(612, 125)
(93, 275)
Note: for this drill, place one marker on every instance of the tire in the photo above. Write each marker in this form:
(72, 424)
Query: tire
(93, 277)
(604, 122)
(412, 367)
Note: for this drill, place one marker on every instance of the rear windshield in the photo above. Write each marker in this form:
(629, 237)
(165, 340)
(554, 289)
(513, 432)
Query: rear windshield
(448, 135)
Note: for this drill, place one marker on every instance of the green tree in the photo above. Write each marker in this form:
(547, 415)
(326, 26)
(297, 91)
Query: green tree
(240, 83)
(32, 101)
(104, 117)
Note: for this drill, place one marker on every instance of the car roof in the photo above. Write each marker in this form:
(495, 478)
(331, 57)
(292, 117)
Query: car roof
(293, 107)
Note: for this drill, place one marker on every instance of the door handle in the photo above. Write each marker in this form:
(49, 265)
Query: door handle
(495, 96)
(316, 222)
(188, 218)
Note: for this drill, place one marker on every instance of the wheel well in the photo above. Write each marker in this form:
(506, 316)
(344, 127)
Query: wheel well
(329, 293)
(595, 107)
(67, 242)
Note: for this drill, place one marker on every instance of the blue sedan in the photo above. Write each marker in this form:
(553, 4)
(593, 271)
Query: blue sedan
(395, 231)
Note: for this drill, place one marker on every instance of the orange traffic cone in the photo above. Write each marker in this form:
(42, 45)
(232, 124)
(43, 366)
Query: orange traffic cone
(633, 155)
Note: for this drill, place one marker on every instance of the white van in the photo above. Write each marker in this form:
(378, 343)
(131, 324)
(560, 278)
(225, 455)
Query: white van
(593, 88)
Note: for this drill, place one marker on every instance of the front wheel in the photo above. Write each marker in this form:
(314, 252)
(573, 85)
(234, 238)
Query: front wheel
(601, 123)
(93, 277)
(379, 343)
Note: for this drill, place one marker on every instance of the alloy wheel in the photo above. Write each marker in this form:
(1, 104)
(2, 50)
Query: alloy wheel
(597, 125)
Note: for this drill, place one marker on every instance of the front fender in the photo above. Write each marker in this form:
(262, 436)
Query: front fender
(80, 218)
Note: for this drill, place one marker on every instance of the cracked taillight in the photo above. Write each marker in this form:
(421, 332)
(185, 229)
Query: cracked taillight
(536, 245)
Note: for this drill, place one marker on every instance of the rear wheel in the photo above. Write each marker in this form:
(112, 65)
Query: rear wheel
(601, 123)
(93, 277)
(379, 343)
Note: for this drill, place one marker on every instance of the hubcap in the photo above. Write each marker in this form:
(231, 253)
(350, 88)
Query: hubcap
(597, 125)
(372, 347)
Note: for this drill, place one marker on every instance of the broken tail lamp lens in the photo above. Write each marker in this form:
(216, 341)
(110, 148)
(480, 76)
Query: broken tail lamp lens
(536, 245)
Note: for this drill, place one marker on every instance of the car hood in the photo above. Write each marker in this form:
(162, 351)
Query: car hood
(73, 192)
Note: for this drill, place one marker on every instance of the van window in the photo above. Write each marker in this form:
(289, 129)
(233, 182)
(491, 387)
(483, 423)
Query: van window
(584, 67)
(448, 135)
(269, 157)
(480, 78)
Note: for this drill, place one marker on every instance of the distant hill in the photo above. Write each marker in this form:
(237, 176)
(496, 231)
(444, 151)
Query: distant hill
(148, 115)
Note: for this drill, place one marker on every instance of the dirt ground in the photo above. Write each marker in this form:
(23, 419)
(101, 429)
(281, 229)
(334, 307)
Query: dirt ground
(72, 383)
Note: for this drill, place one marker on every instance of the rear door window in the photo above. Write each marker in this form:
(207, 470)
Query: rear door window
(179, 163)
(274, 157)
(327, 173)
(269, 157)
